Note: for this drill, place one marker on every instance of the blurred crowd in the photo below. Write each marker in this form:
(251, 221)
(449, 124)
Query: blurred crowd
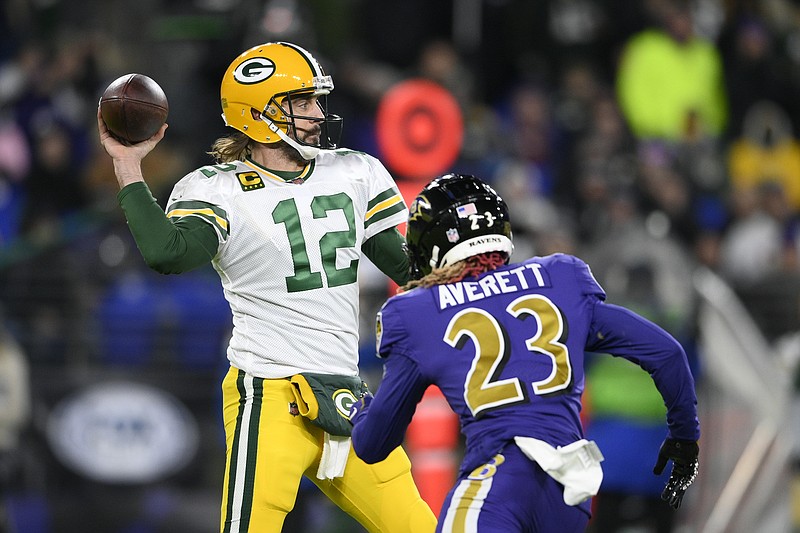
(649, 138)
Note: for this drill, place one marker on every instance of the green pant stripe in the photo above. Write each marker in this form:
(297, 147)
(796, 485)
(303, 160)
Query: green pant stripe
(242, 484)
(232, 466)
(252, 452)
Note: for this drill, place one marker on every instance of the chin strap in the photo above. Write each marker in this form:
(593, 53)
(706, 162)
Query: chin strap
(306, 152)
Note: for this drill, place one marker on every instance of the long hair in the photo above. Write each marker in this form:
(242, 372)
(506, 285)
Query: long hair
(471, 267)
(234, 147)
(237, 147)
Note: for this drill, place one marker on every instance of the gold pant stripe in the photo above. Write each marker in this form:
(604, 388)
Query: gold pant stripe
(465, 506)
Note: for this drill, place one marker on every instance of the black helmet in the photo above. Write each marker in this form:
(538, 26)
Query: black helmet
(454, 217)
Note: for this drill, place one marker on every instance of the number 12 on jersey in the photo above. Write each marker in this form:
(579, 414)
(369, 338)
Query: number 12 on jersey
(305, 279)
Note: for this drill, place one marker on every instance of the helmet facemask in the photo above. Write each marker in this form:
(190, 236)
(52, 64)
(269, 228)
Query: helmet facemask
(280, 116)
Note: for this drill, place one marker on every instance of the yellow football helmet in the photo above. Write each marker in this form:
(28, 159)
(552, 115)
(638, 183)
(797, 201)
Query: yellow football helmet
(265, 79)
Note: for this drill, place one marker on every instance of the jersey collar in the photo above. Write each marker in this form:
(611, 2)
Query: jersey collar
(299, 176)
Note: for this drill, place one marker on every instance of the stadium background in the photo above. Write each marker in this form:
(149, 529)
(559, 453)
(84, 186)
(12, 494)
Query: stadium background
(109, 373)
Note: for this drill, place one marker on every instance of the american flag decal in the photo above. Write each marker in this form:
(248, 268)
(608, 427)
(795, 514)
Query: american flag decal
(466, 210)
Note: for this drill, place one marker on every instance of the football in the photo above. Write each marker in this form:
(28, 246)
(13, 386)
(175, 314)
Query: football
(134, 107)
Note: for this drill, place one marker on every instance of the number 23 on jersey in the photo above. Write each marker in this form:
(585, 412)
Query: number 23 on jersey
(483, 389)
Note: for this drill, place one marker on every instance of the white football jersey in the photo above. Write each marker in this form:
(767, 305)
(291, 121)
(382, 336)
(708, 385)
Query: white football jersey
(288, 255)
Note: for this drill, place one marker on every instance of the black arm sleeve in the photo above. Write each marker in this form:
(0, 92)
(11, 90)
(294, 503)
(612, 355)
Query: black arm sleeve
(387, 251)
(167, 247)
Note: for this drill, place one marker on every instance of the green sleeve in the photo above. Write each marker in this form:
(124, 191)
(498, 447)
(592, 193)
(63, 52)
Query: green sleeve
(167, 247)
(387, 251)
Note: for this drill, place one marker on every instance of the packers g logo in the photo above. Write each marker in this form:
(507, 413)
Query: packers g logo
(344, 399)
(254, 70)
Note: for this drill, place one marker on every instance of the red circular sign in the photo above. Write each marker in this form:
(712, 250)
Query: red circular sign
(419, 129)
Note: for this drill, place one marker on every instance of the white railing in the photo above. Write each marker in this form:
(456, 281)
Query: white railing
(744, 396)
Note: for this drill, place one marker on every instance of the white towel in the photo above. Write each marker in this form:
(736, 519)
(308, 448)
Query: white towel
(576, 465)
(335, 450)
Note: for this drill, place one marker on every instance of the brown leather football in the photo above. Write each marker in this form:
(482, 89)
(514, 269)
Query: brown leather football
(134, 107)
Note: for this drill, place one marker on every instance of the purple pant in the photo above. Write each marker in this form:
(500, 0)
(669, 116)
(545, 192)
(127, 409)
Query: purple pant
(510, 494)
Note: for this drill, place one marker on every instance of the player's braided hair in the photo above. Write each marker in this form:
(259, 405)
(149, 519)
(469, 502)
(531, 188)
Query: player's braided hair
(234, 147)
(471, 267)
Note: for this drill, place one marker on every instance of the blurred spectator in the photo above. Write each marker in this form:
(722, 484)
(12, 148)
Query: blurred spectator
(526, 174)
(632, 239)
(766, 151)
(755, 70)
(670, 81)
(602, 158)
(663, 188)
(536, 216)
(14, 166)
(761, 239)
(671, 91)
(759, 258)
(531, 134)
(53, 186)
(46, 90)
(667, 189)
(578, 90)
(439, 61)
(15, 415)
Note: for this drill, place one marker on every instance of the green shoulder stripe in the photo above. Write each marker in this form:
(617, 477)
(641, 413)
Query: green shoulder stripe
(347, 151)
(383, 205)
(382, 197)
(211, 213)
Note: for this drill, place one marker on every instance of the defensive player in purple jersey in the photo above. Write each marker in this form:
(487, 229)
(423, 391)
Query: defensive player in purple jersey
(505, 343)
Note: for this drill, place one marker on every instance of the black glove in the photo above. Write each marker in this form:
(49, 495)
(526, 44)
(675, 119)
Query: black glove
(683, 454)
(360, 405)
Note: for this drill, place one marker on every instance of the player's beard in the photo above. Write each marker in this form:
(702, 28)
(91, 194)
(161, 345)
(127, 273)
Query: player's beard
(290, 153)
(309, 136)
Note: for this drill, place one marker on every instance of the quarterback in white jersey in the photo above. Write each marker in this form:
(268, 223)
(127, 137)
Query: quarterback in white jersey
(288, 255)
(284, 217)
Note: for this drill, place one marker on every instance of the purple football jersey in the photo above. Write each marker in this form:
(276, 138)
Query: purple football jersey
(507, 350)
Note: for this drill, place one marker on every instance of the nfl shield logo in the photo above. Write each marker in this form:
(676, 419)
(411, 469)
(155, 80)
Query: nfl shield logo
(452, 235)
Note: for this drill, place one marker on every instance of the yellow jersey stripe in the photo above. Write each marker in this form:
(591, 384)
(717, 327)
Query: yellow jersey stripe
(201, 212)
(389, 202)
